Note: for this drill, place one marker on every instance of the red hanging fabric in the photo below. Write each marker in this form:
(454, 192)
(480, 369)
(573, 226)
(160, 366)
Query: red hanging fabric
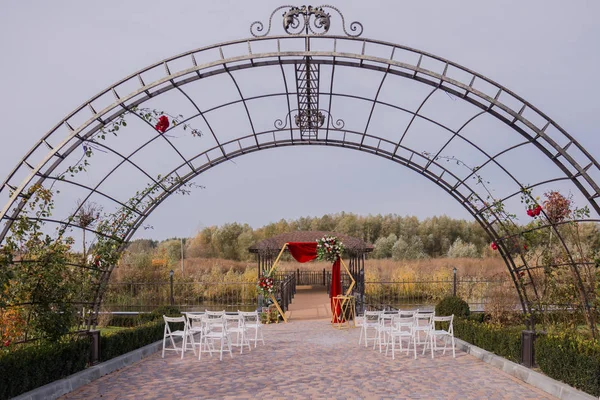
(303, 251)
(335, 289)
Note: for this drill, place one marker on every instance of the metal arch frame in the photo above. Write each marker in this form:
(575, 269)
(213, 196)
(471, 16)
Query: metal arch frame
(493, 102)
(488, 103)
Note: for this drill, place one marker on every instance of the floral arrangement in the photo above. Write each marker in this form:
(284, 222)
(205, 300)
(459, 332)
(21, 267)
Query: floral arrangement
(266, 286)
(329, 248)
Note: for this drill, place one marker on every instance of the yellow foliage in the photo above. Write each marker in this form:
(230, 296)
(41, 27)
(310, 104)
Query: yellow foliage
(11, 326)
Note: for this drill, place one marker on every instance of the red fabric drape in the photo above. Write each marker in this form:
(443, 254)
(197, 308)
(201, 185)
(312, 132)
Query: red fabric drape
(307, 251)
(336, 288)
(303, 251)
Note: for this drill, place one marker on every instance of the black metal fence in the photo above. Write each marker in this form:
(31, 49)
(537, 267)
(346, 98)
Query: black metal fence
(233, 296)
(195, 296)
(424, 294)
(312, 278)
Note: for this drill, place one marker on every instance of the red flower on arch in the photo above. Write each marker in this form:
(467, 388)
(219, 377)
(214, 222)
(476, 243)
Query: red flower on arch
(163, 124)
(534, 211)
(494, 246)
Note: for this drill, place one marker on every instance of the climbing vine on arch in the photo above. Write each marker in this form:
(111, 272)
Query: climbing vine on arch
(44, 283)
(555, 252)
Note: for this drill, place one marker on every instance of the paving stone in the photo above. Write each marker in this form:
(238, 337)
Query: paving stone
(309, 359)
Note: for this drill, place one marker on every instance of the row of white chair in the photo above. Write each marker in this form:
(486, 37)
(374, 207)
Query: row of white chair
(411, 325)
(212, 327)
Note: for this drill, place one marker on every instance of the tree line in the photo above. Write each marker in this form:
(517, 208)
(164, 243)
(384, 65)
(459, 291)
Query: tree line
(400, 237)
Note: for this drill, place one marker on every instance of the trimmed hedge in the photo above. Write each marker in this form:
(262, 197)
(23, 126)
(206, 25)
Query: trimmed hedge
(120, 342)
(22, 370)
(25, 369)
(130, 321)
(569, 359)
(503, 341)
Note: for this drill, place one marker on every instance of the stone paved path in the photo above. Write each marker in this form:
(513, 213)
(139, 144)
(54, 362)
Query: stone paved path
(309, 359)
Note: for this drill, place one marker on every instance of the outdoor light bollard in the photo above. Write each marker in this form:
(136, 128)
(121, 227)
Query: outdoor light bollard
(171, 273)
(94, 346)
(528, 347)
(454, 285)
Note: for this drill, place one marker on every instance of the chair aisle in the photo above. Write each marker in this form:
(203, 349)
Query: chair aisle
(389, 329)
(213, 332)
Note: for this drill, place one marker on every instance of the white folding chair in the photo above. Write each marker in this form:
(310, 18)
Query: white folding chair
(435, 333)
(384, 328)
(423, 325)
(195, 326)
(184, 335)
(370, 320)
(235, 324)
(252, 321)
(402, 327)
(216, 330)
(214, 314)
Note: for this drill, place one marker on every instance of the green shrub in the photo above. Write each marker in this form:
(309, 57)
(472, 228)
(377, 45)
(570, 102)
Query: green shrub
(505, 342)
(30, 367)
(477, 317)
(452, 305)
(120, 342)
(129, 321)
(573, 360)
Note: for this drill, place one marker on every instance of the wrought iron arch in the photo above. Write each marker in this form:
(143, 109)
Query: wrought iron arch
(305, 123)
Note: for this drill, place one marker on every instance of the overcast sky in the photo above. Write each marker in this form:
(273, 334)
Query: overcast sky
(56, 55)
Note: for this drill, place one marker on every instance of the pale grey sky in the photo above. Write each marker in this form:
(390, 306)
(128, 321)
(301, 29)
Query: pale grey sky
(56, 55)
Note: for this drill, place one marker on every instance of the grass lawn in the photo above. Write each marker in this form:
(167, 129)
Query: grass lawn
(109, 329)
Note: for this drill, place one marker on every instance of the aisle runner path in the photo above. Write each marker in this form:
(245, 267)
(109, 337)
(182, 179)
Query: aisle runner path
(310, 302)
(309, 359)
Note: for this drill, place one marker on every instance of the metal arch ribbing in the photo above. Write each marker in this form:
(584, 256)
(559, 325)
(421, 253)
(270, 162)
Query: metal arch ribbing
(201, 115)
(65, 224)
(243, 101)
(93, 190)
(517, 116)
(413, 118)
(457, 134)
(329, 118)
(287, 98)
(162, 135)
(374, 104)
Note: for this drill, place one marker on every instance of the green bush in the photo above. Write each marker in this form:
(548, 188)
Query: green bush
(129, 321)
(25, 369)
(120, 342)
(39, 365)
(477, 317)
(573, 360)
(452, 305)
(503, 341)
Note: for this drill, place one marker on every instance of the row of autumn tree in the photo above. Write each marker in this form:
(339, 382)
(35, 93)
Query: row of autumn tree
(392, 235)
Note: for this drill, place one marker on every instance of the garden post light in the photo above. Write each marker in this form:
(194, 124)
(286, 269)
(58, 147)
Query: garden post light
(181, 256)
(171, 273)
(454, 285)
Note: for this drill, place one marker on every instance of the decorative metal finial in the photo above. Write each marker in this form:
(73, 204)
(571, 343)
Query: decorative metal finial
(306, 20)
(309, 121)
